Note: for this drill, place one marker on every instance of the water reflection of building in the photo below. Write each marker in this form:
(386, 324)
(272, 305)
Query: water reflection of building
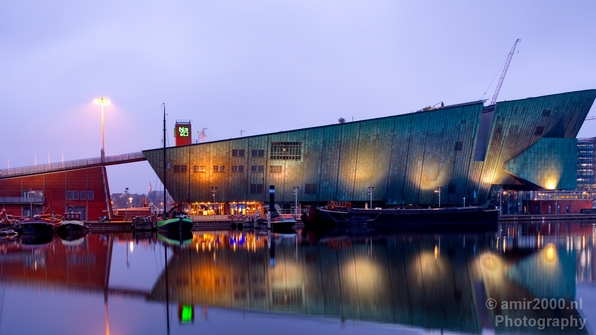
(438, 283)
(78, 264)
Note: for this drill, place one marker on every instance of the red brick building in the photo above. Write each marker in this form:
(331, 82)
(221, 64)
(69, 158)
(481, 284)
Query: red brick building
(82, 190)
(559, 206)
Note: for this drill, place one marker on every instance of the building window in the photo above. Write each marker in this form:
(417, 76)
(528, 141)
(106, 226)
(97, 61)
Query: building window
(195, 168)
(258, 153)
(202, 168)
(310, 189)
(275, 169)
(238, 152)
(234, 168)
(83, 195)
(72, 195)
(222, 168)
(459, 145)
(91, 195)
(256, 188)
(257, 168)
(238, 168)
(286, 150)
(539, 131)
(215, 168)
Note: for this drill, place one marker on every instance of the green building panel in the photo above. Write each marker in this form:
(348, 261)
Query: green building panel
(463, 150)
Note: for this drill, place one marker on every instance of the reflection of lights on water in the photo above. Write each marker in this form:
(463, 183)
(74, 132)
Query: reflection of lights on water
(489, 262)
(131, 246)
(550, 253)
(436, 251)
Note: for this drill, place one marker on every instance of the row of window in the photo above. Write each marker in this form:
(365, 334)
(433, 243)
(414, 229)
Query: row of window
(279, 150)
(254, 153)
(235, 168)
(308, 188)
(80, 195)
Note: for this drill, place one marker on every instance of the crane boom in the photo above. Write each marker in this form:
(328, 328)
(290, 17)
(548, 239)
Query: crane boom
(494, 99)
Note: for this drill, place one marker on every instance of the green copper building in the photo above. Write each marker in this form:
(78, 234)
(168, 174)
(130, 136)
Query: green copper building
(446, 154)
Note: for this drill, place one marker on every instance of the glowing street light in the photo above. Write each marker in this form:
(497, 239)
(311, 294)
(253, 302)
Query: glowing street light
(102, 101)
(438, 191)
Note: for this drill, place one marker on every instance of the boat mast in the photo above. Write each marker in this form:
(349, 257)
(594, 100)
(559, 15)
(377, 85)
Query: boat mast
(164, 163)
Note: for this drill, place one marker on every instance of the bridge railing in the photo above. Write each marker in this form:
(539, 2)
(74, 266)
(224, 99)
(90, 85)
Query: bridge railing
(70, 165)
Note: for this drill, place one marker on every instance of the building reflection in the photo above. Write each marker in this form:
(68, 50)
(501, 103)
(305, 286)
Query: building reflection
(434, 282)
(440, 282)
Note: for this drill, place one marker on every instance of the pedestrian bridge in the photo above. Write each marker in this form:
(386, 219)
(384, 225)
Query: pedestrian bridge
(71, 165)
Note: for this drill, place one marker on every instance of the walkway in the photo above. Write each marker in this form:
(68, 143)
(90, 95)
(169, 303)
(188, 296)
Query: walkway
(71, 165)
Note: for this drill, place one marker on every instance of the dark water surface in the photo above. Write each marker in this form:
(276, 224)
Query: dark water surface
(528, 278)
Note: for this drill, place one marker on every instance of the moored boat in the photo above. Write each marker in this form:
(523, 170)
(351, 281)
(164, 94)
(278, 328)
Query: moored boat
(470, 219)
(179, 222)
(71, 222)
(37, 225)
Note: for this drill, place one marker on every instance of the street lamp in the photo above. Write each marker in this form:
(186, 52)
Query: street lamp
(438, 191)
(296, 202)
(370, 191)
(213, 192)
(102, 101)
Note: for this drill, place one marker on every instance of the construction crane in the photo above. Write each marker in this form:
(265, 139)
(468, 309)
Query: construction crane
(494, 99)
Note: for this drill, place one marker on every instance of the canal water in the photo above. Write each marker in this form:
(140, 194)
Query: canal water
(528, 278)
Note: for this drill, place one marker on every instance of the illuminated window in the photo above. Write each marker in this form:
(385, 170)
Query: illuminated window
(275, 169)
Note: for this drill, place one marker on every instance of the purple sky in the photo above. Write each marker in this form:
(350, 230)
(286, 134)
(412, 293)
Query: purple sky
(264, 66)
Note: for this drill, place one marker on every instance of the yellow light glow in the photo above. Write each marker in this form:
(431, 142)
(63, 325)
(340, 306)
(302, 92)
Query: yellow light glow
(550, 253)
(101, 101)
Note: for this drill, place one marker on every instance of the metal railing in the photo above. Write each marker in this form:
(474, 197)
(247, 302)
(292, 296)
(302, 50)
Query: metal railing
(71, 165)
(22, 200)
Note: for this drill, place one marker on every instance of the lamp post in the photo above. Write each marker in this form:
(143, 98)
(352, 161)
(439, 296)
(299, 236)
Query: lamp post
(370, 192)
(102, 101)
(296, 202)
(438, 191)
(213, 191)
(31, 204)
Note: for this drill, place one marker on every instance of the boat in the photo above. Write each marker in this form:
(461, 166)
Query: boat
(38, 225)
(179, 220)
(471, 219)
(71, 222)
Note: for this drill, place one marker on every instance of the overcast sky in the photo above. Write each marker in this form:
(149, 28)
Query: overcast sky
(264, 66)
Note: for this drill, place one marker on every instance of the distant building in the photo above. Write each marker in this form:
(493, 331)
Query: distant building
(459, 154)
(586, 153)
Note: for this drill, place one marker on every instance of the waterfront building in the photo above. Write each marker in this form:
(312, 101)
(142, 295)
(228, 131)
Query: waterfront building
(26, 192)
(450, 156)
